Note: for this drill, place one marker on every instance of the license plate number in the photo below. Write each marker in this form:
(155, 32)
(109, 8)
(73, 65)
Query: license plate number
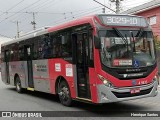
(135, 90)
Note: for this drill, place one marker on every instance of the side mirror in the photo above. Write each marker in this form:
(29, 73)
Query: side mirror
(97, 43)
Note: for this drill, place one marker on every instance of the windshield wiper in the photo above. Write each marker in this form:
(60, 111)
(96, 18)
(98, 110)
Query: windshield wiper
(119, 34)
(134, 46)
(123, 38)
(140, 34)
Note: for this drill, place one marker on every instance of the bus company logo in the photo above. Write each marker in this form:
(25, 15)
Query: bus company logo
(125, 75)
(134, 82)
(116, 62)
(6, 114)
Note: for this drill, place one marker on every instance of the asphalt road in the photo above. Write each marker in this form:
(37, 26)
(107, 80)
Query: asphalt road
(10, 100)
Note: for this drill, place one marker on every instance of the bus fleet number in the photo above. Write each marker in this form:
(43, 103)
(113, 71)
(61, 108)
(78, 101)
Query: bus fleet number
(121, 20)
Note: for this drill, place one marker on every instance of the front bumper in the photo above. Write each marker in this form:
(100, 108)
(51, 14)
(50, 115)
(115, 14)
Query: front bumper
(106, 94)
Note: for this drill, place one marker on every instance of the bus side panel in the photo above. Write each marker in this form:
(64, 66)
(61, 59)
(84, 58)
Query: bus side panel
(93, 88)
(41, 75)
(18, 67)
(59, 67)
(97, 71)
(3, 72)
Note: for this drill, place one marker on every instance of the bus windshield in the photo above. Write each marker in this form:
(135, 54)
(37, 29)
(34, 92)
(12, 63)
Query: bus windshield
(127, 48)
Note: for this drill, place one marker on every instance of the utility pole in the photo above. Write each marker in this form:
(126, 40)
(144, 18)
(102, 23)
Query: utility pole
(103, 9)
(104, 6)
(117, 5)
(17, 24)
(17, 29)
(33, 22)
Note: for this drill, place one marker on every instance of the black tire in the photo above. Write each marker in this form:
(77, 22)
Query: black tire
(64, 93)
(19, 88)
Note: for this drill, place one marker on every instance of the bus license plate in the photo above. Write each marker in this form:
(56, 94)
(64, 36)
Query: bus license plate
(135, 90)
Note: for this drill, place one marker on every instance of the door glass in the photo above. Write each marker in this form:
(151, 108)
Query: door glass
(28, 51)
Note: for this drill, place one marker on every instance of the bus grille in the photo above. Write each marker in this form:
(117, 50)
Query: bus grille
(128, 94)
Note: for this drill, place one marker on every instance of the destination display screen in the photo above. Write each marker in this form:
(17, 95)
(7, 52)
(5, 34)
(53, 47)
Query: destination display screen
(123, 20)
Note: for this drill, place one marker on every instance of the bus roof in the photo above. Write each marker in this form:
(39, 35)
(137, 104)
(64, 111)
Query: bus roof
(45, 30)
(88, 19)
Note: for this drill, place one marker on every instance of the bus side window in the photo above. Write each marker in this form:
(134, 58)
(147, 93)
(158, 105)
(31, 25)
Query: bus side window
(14, 52)
(60, 44)
(46, 46)
(35, 48)
(54, 47)
(7, 55)
(28, 51)
(66, 45)
(21, 53)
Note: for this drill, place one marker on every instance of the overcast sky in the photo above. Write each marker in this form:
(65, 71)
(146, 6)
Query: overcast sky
(49, 12)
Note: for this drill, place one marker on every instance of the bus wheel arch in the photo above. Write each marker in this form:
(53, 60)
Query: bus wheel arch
(58, 80)
(63, 91)
(17, 83)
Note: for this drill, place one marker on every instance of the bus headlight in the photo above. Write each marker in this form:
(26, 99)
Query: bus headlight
(156, 78)
(105, 81)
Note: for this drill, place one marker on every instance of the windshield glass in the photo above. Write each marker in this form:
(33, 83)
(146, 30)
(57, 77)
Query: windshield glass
(127, 48)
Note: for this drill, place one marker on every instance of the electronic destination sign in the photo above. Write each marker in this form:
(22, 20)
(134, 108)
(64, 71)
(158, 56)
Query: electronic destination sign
(123, 20)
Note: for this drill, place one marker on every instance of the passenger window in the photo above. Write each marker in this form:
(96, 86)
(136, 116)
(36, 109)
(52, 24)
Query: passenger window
(21, 53)
(28, 51)
(46, 46)
(61, 44)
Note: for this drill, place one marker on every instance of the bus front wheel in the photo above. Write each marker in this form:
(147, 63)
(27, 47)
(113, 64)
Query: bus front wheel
(64, 93)
(18, 85)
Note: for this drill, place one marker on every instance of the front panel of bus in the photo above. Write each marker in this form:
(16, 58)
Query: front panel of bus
(125, 59)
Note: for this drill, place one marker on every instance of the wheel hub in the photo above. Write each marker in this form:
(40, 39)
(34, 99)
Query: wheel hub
(64, 93)
(18, 85)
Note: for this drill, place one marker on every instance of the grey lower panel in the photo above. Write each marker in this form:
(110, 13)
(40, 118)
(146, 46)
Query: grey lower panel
(19, 68)
(105, 94)
(42, 85)
(3, 73)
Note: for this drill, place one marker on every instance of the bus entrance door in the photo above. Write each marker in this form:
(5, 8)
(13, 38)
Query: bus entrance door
(29, 66)
(7, 66)
(80, 51)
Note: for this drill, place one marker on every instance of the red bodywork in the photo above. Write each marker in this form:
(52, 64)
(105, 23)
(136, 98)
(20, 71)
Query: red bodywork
(94, 80)
(53, 75)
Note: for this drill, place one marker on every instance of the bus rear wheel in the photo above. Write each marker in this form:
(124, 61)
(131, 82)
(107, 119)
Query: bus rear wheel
(64, 93)
(19, 88)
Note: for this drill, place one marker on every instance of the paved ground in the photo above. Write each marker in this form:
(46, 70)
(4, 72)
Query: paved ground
(37, 101)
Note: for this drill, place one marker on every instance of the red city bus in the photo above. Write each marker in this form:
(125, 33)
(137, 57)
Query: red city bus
(99, 59)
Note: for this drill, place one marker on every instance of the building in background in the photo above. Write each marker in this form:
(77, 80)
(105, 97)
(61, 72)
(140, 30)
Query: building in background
(151, 11)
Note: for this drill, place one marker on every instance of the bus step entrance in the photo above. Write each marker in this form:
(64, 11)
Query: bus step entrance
(82, 86)
(30, 89)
